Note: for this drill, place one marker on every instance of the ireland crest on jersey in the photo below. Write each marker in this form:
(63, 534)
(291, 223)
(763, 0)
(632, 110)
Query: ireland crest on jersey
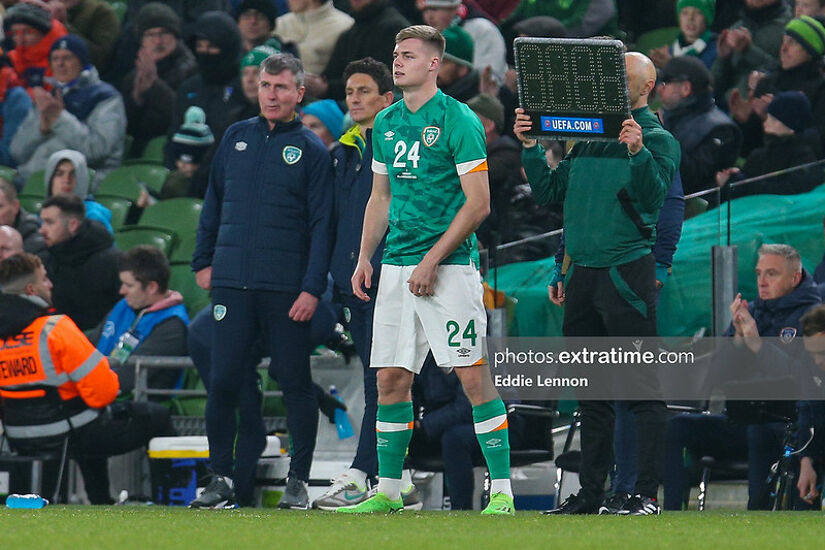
(430, 135)
(291, 154)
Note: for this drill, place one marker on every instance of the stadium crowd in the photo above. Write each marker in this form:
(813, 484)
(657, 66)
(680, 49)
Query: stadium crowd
(92, 92)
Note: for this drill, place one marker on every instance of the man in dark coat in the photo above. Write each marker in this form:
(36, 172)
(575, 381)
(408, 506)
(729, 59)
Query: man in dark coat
(82, 261)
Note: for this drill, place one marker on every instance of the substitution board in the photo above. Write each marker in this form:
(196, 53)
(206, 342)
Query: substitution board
(573, 89)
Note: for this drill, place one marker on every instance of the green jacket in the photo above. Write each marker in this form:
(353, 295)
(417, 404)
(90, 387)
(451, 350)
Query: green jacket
(598, 230)
(96, 22)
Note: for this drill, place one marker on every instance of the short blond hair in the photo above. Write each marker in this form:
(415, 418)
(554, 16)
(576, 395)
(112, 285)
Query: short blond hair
(427, 34)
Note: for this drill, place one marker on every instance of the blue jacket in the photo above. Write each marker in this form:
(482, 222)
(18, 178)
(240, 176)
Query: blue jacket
(14, 109)
(266, 219)
(121, 318)
(352, 161)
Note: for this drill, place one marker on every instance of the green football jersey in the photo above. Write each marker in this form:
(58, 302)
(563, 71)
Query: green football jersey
(424, 154)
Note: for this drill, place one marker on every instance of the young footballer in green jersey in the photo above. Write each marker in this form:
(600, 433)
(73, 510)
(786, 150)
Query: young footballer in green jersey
(430, 188)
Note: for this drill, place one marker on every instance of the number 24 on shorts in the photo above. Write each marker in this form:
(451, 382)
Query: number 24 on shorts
(454, 329)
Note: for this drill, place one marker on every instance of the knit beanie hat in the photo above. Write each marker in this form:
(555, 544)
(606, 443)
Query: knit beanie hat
(791, 109)
(156, 14)
(490, 107)
(809, 33)
(74, 44)
(707, 7)
(459, 48)
(193, 138)
(329, 113)
(256, 55)
(266, 7)
(28, 14)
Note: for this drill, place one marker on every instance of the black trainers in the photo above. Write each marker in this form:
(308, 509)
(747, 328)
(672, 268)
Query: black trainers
(641, 506)
(613, 504)
(295, 496)
(575, 504)
(218, 495)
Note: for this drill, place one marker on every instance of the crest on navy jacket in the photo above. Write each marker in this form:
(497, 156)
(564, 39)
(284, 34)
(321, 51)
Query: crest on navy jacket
(219, 312)
(291, 154)
(787, 334)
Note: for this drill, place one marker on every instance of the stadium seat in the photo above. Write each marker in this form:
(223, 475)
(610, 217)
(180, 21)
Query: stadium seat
(35, 184)
(153, 153)
(30, 203)
(656, 39)
(129, 237)
(183, 251)
(180, 215)
(150, 175)
(7, 173)
(183, 280)
(695, 206)
(118, 206)
(123, 188)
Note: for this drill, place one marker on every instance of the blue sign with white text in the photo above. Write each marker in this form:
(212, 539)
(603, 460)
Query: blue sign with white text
(572, 124)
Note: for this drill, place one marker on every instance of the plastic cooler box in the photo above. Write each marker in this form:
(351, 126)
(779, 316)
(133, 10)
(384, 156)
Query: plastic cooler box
(178, 467)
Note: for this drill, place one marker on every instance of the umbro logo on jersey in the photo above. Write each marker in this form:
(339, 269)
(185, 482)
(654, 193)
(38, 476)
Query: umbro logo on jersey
(430, 135)
(240, 146)
(389, 134)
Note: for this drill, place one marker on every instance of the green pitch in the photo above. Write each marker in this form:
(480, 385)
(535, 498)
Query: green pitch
(148, 528)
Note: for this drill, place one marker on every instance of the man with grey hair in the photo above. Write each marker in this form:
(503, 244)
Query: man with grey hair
(263, 248)
(11, 242)
(786, 291)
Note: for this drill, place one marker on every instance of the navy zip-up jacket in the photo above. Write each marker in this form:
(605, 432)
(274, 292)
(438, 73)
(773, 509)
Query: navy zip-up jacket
(352, 162)
(266, 219)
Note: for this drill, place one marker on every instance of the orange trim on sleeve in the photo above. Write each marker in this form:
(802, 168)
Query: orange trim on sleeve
(480, 168)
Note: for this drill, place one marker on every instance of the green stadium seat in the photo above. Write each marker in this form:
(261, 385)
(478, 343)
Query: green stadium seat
(180, 215)
(129, 237)
(183, 251)
(118, 206)
(123, 188)
(35, 184)
(154, 150)
(31, 203)
(655, 39)
(183, 280)
(150, 175)
(7, 173)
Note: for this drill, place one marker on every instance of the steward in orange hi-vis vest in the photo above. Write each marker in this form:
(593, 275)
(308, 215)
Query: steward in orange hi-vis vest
(47, 356)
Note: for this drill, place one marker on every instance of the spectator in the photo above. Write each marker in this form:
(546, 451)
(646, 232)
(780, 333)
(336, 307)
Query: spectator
(150, 319)
(513, 212)
(368, 91)
(789, 114)
(596, 251)
(15, 104)
(373, 34)
(215, 88)
(250, 75)
(752, 43)
(283, 219)
(84, 114)
(695, 37)
(82, 261)
(709, 139)
(812, 8)
(456, 77)
(162, 64)
(189, 145)
(786, 292)
(256, 21)
(189, 12)
(66, 173)
(489, 55)
(33, 31)
(95, 21)
(582, 19)
(325, 119)
(314, 26)
(67, 368)
(811, 419)
(800, 69)
(28, 224)
(11, 243)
